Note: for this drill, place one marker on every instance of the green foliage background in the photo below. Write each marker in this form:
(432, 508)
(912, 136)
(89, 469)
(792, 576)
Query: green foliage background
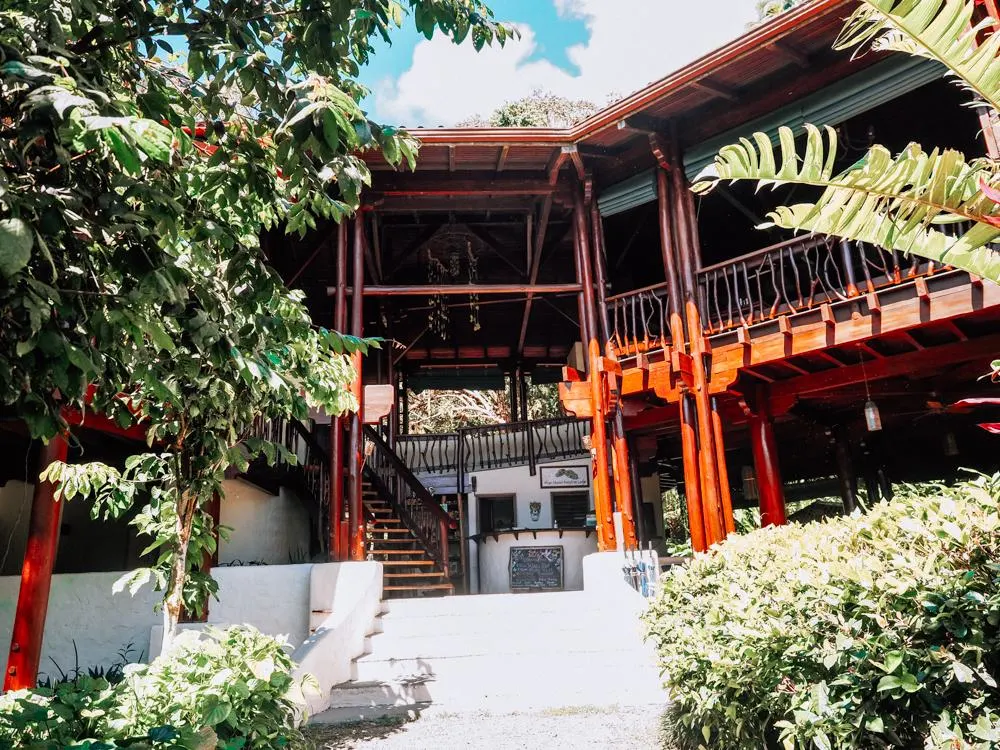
(874, 631)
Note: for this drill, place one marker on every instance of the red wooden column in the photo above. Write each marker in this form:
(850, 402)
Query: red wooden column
(689, 438)
(687, 246)
(621, 468)
(598, 431)
(355, 450)
(726, 492)
(765, 461)
(36, 575)
(337, 551)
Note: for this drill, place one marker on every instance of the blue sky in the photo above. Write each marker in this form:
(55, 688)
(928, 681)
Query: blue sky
(591, 49)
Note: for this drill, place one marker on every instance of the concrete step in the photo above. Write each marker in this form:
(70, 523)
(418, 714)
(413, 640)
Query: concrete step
(402, 692)
(399, 642)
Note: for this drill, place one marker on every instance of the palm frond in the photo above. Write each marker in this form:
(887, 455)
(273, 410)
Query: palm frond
(941, 30)
(895, 202)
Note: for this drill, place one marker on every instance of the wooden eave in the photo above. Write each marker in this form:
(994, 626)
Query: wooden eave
(782, 55)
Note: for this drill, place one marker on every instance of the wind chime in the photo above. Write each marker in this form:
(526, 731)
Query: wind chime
(441, 274)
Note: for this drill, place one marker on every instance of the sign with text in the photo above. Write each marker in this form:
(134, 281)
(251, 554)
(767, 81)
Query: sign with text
(536, 568)
(564, 476)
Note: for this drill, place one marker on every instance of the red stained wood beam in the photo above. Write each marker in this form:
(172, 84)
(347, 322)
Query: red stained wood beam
(765, 459)
(409, 290)
(338, 442)
(36, 575)
(355, 451)
(937, 357)
(536, 259)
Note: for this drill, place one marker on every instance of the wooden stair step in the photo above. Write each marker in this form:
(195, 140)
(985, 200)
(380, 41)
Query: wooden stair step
(392, 531)
(400, 552)
(407, 562)
(421, 587)
(431, 574)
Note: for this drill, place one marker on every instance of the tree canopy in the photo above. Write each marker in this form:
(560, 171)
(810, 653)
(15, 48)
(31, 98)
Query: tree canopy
(540, 109)
(144, 147)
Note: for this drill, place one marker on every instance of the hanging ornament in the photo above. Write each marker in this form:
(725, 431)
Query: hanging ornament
(873, 418)
(473, 279)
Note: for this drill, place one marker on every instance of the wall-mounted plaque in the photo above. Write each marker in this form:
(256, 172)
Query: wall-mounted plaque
(553, 477)
(536, 568)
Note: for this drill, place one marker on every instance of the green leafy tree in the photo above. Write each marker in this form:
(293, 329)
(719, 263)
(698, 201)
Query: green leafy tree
(900, 202)
(540, 109)
(144, 146)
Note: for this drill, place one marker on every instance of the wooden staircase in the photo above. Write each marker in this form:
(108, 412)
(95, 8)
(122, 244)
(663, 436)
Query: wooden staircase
(410, 570)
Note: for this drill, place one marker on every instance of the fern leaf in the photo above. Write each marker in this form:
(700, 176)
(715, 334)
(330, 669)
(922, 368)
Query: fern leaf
(941, 30)
(895, 202)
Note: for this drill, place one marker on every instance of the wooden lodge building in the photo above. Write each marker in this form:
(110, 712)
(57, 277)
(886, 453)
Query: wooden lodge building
(746, 368)
(739, 363)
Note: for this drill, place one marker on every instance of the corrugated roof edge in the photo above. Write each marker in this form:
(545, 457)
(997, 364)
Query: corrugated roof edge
(764, 34)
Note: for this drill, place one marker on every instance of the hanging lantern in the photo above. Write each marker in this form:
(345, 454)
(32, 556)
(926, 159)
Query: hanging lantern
(950, 444)
(873, 419)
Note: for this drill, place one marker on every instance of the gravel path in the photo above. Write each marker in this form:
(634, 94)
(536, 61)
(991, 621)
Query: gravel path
(594, 728)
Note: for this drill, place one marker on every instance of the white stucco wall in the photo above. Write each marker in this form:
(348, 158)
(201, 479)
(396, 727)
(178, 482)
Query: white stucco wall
(518, 481)
(264, 527)
(526, 489)
(274, 599)
(494, 557)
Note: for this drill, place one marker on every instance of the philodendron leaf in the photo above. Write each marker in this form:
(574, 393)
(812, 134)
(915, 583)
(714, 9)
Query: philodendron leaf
(16, 241)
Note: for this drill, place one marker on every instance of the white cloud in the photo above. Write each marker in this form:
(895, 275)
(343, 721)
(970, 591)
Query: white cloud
(630, 43)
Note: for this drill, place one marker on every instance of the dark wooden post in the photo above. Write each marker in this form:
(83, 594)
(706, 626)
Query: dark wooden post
(355, 452)
(845, 469)
(405, 405)
(337, 424)
(765, 461)
(390, 378)
(598, 432)
(847, 261)
(687, 247)
(689, 440)
(522, 393)
(624, 489)
(36, 575)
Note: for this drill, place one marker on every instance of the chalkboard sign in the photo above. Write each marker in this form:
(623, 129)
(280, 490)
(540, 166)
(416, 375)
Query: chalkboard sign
(536, 568)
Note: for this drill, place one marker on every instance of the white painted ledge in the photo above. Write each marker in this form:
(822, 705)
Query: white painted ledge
(345, 600)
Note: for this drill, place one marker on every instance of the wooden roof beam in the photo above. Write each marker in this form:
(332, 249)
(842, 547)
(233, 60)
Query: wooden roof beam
(789, 53)
(577, 159)
(643, 124)
(416, 290)
(502, 158)
(715, 89)
(537, 247)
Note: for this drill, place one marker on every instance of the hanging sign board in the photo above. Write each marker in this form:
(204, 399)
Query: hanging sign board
(536, 568)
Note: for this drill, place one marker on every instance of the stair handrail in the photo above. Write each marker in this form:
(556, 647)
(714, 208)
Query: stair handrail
(412, 501)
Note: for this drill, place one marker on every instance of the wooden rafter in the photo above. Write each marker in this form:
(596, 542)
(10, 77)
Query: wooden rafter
(539, 244)
(716, 89)
(790, 53)
(502, 158)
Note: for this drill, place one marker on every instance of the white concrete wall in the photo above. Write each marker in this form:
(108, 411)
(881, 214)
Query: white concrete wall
(526, 489)
(494, 557)
(264, 527)
(345, 600)
(274, 599)
(518, 481)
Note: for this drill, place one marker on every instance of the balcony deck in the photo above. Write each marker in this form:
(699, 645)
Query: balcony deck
(806, 308)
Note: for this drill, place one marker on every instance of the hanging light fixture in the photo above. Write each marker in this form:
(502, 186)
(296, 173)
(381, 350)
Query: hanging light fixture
(950, 444)
(873, 419)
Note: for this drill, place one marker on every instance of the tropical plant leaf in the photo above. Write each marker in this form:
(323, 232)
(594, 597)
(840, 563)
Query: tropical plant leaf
(941, 30)
(895, 202)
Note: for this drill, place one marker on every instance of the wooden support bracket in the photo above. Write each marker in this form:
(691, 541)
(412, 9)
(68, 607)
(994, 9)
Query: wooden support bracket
(685, 366)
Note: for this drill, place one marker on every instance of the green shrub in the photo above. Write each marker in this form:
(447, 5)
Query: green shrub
(881, 630)
(230, 689)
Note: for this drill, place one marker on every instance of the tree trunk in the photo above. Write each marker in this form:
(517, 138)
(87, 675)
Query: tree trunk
(173, 603)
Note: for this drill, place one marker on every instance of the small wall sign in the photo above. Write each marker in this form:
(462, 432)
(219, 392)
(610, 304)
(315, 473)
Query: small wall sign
(553, 477)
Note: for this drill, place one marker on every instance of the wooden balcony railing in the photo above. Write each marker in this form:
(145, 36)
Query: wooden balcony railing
(310, 474)
(638, 320)
(797, 275)
(429, 454)
(493, 446)
(412, 502)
